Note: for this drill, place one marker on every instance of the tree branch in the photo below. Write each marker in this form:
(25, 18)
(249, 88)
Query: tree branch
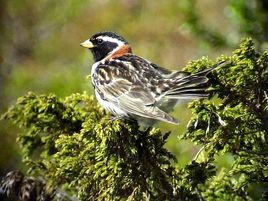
(251, 152)
(199, 152)
(199, 194)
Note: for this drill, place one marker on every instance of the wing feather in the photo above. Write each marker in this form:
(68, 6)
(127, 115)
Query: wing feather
(123, 88)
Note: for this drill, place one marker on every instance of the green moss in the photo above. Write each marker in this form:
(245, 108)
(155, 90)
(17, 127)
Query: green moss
(72, 143)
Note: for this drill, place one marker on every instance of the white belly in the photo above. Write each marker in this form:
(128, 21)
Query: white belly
(113, 108)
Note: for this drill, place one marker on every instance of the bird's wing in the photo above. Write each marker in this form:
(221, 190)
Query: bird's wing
(117, 84)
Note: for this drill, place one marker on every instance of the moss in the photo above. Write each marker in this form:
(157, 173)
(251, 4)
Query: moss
(73, 145)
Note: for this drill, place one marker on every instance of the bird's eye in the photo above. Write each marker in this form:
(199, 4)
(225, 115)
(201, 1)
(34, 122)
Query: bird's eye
(99, 41)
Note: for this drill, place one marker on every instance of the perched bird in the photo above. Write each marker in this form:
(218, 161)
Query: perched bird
(131, 86)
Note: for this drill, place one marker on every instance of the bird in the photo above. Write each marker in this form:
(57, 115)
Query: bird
(130, 86)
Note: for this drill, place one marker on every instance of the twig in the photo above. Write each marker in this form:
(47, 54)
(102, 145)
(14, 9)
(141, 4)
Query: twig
(265, 97)
(259, 109)
(199, 194)
(59, 193)
(249, 132)
(62, 195)
(199, 152)
(252, 152)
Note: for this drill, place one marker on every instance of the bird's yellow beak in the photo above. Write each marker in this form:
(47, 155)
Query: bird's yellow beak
(87, 44)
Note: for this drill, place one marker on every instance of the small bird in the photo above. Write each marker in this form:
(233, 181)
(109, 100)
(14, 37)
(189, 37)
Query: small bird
(131, 86)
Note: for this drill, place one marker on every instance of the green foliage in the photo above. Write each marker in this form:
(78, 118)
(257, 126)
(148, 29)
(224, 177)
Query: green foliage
(251, 16)
(74, 145)
(239, 124)
(246, 18)
(40, 52)
(193, 24)
(78, 145)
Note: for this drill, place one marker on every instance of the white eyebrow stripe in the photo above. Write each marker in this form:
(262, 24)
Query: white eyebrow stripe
(113, 40)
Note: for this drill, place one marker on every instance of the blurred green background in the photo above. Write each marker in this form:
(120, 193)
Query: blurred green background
(40, 49)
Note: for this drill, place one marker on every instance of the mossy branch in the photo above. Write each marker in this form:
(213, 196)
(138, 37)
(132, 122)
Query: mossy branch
(72, 143)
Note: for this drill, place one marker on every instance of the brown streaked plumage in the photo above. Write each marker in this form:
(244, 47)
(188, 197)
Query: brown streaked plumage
(131, 86)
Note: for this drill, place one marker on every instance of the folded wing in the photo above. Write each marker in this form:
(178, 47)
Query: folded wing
(122, 87)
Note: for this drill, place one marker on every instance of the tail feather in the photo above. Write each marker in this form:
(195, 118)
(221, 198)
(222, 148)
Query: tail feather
(192, 86)
(207, 71)
(193, 92)
(192, 96)
(189, 82)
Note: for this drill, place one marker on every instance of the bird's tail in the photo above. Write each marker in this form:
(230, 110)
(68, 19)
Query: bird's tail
(192, 86)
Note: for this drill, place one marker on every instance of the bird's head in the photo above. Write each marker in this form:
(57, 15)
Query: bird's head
(106, 44)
